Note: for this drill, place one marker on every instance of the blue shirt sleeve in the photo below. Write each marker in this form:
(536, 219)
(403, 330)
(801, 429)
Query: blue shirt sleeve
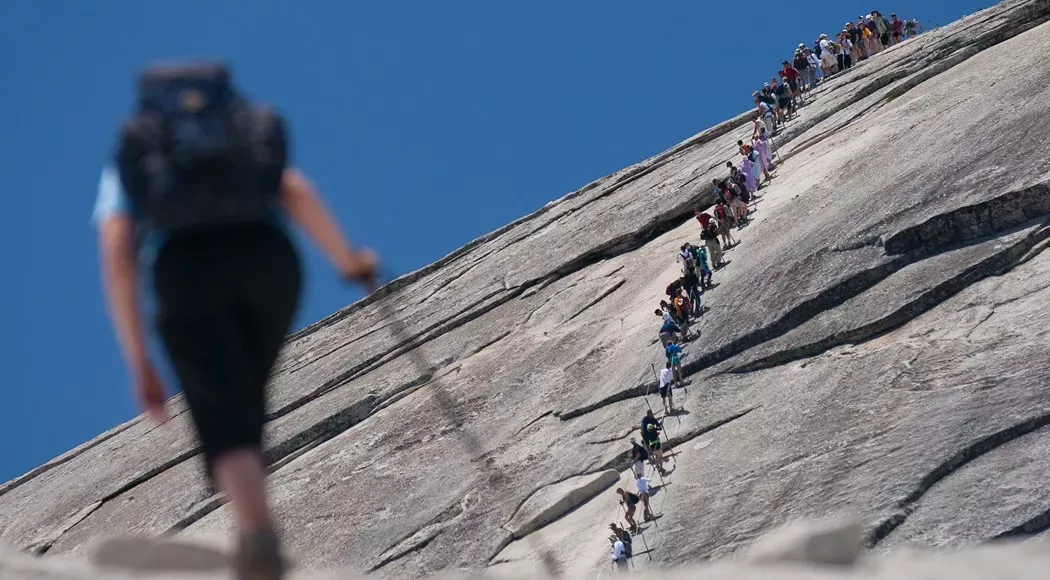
(111, 200)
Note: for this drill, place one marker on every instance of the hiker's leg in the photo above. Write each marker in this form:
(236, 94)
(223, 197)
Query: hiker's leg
(270, 286)
(198, 325)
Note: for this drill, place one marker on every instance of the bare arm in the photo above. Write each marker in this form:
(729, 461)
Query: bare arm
(304, 205)
(120, 280)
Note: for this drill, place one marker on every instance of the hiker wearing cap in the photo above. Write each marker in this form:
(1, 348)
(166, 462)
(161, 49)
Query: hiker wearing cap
(766, 96)
(802, 66)
(206, 227)
(765, 112)
(815, 74)
(828, 60)
(651, 429)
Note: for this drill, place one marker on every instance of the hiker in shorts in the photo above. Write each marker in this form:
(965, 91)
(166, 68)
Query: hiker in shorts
(896, 30)
(724, 217)
(673, 352)
(732, 184)
(644, 492)
(651, 429)
(630, 503)
(666, 385)
(206, 228)
(737, 208)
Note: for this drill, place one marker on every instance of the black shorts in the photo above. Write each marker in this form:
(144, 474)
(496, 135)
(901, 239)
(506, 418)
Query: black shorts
(225, 301)
(664, 391)
(785, 103)
(793, 85)
(653, 445)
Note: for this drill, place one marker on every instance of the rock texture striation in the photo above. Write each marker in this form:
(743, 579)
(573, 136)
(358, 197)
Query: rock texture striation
(877, 344)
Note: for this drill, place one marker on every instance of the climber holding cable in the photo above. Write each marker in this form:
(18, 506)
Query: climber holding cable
(651, 429)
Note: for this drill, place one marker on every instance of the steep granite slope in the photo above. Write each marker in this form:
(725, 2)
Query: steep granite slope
(876, 345)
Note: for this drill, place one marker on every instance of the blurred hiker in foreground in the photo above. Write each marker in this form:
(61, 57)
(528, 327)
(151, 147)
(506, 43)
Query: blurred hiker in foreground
(195, 201)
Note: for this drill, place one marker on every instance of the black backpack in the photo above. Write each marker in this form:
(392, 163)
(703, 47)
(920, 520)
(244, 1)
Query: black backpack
(628, 549)
(196, 154)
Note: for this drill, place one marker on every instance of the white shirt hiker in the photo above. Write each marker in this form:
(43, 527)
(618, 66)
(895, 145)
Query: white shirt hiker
(665, 377)
(617, 550)
(643, 485)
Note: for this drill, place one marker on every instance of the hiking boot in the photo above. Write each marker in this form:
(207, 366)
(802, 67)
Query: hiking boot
(258, 557)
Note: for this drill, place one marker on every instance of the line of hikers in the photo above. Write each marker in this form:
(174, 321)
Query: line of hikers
(734, 194)
(780, 98)
(650, 451)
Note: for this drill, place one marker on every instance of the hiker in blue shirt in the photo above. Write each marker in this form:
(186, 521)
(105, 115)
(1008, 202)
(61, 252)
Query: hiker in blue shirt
(195, 202)
(674, 357)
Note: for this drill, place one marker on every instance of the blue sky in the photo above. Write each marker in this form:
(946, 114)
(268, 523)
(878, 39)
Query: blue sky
(426, 124)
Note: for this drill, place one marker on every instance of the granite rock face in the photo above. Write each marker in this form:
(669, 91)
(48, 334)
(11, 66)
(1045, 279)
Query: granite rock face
(876, 345)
